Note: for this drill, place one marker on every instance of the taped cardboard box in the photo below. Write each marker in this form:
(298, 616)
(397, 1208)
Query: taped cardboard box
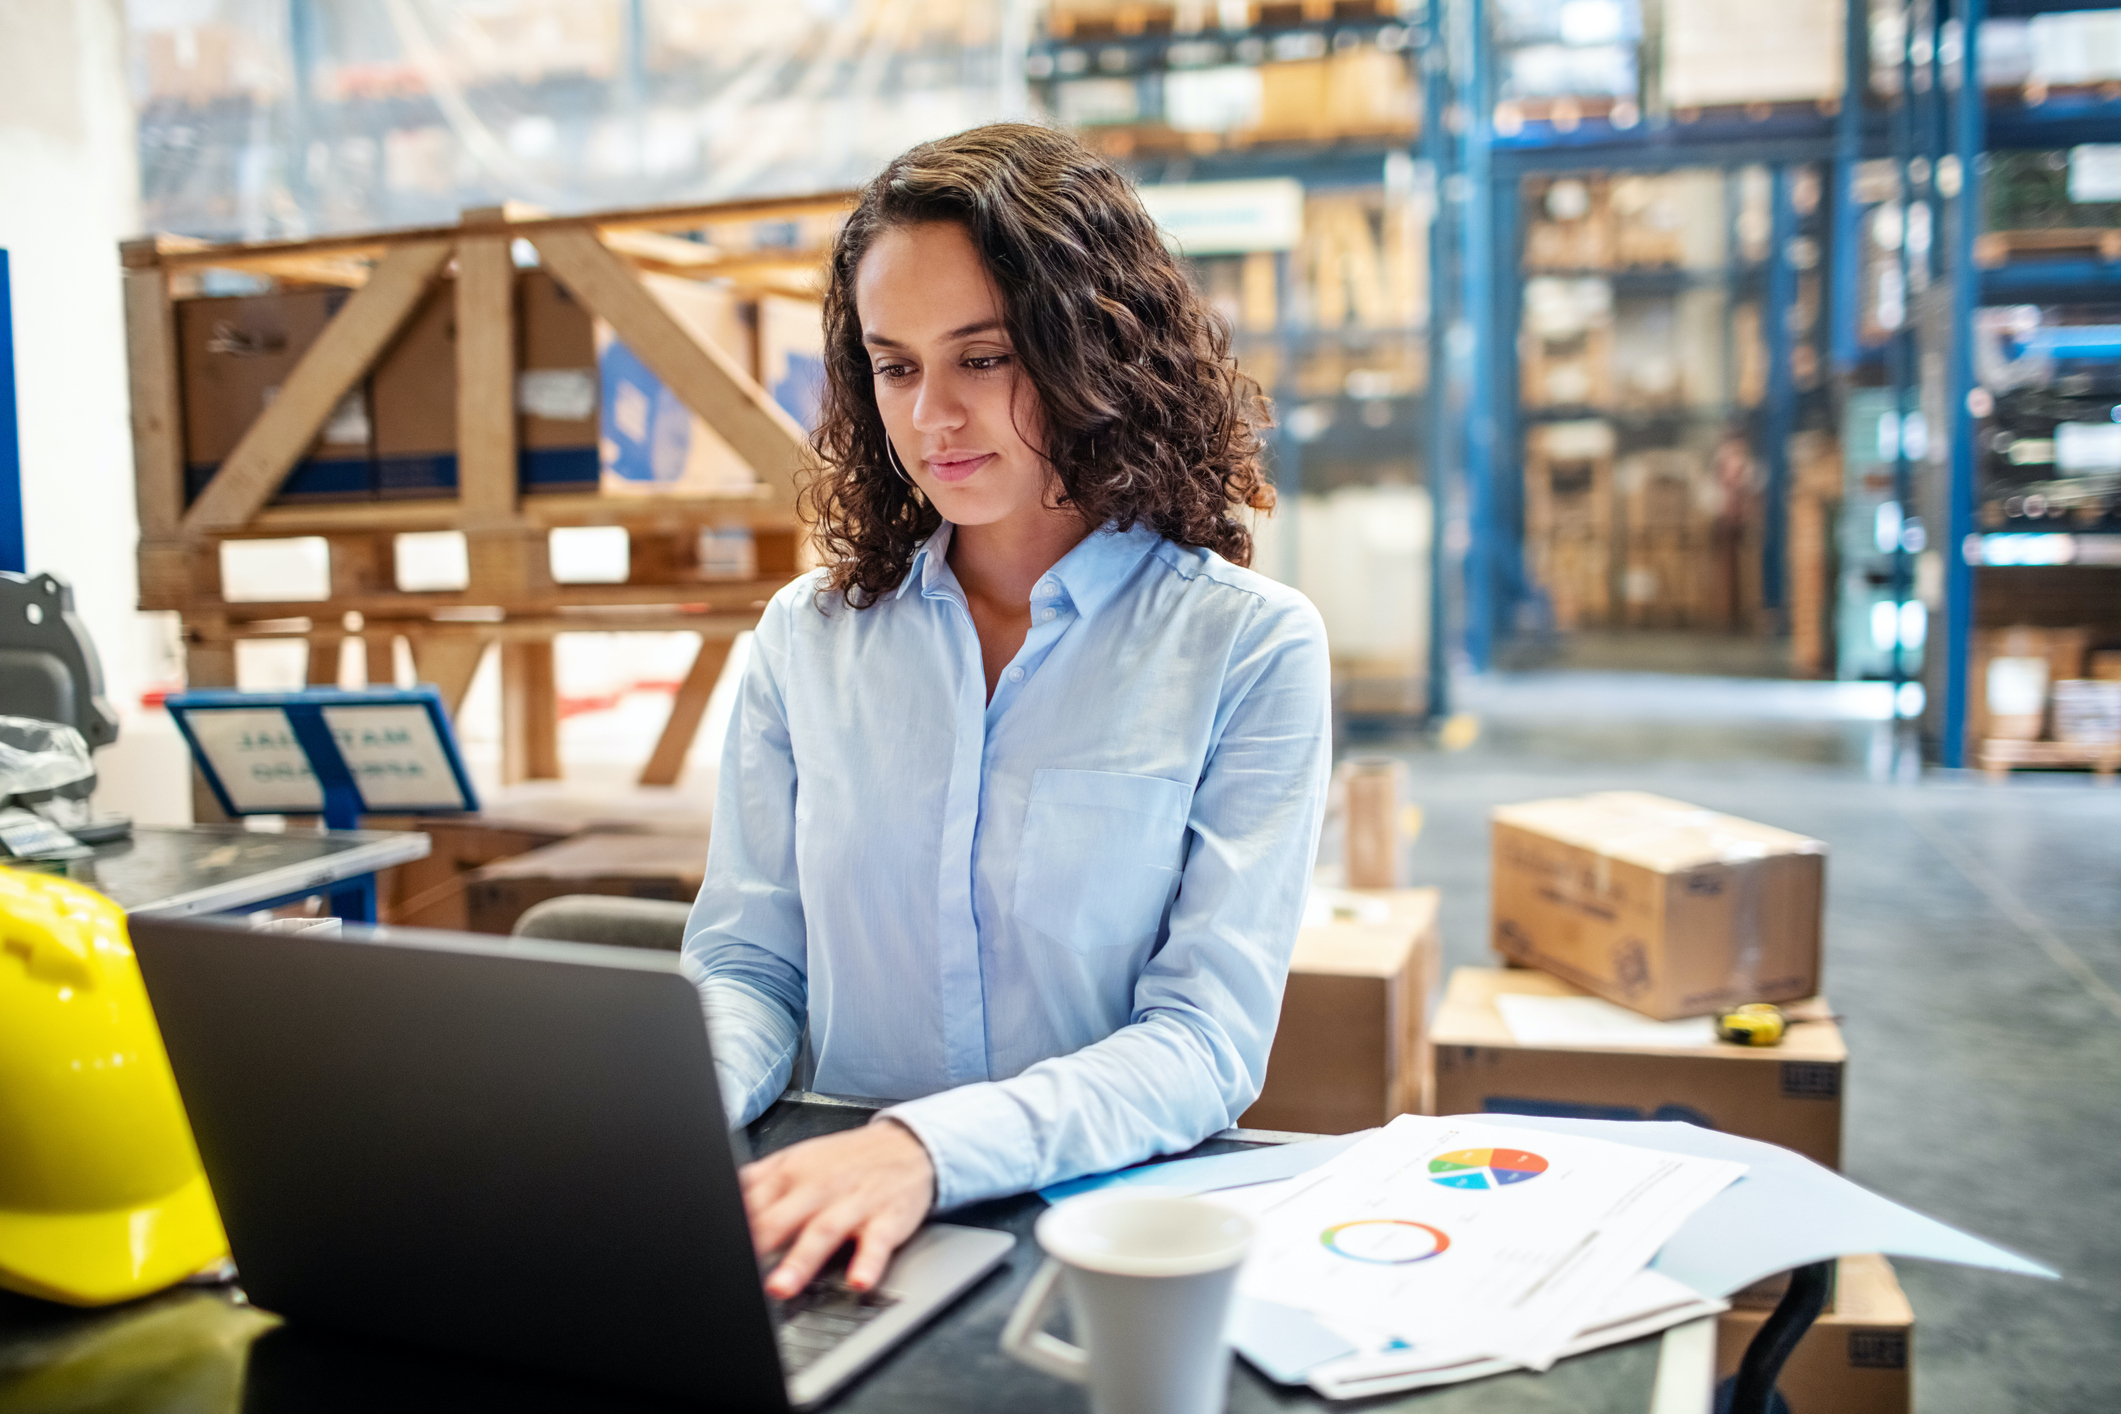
(1350, 1051)
(557, 395)
(1658, 905)
(234, 353)
(1788, 1094)
(415, 389)
(1856, 1359)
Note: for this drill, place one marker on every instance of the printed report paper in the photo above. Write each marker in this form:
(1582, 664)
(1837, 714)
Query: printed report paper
(1436, 1241)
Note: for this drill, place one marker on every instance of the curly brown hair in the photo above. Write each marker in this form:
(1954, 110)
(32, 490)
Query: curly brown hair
(1148, 419)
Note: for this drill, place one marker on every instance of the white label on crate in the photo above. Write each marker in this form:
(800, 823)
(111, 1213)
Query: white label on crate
(395, 757)
(2017, 687)
(2088, 446)
(557, 394)
(348, 424)
(256, 756)
(2095, 172)
(1223, 99)
(1223, 218)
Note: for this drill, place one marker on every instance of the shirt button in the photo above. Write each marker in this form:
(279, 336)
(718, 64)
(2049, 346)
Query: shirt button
(1016, 675)
(1047, 587)
(1048, 616)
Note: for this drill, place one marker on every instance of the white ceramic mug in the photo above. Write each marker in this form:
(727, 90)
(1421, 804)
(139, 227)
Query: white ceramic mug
(1149, 1277)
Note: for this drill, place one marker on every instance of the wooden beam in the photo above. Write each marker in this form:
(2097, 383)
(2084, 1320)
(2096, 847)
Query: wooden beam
(381, 652)
(450, 664)
(207, 663)
(349, 345)
(486, 369)
(157, 414)
(324, 655)
(667, 762)
(177, 253)
(703, 377)
(509, 556)
(749, 505)
(530, 713)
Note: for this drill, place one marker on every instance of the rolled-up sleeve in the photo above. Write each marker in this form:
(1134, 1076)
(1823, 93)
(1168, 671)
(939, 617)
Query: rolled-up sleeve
(744, 942)
(1193, 1055)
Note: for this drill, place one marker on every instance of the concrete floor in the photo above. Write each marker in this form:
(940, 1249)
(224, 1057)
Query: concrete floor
(1973, 946)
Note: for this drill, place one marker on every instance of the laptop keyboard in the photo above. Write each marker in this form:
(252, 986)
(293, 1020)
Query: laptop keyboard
(811, 1324)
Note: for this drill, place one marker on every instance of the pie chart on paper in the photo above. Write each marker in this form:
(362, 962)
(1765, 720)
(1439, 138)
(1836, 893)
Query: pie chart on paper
(1485, 1168)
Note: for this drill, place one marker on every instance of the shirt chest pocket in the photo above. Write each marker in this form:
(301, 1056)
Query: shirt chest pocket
(1101, 856)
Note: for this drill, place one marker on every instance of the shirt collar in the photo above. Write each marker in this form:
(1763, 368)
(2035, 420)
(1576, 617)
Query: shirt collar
(1091, 573)
(929, 561)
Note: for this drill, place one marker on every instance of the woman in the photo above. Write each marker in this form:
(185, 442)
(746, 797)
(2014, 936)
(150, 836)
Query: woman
(1021, 794)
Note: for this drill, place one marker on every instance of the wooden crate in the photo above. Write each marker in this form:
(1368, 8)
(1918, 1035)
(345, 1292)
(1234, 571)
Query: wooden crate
(668, 867)
(511, 601)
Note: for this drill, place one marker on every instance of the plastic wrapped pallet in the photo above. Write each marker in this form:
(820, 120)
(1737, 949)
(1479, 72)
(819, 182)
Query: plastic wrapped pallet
(1720, 54)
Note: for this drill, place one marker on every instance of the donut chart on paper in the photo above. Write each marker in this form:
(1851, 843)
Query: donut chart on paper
(1385, 1242)
(1485, 1168)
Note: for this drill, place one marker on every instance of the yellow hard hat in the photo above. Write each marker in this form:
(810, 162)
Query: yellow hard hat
(101, 1195)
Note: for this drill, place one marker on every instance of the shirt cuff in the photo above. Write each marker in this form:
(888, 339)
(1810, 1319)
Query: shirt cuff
(978, 1139)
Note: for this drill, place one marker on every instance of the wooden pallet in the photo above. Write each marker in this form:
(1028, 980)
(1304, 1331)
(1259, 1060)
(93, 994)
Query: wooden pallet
(511, 601)
(1996, 249)
(1999, 756)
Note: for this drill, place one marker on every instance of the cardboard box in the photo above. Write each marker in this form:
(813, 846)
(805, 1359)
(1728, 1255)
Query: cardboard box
(1856, 1359)
(1349, 1052)
(1788, 1094)
(651, 442)
(415, 392)
(1658, 905)
(631, 865)
(558, 392)
(234, 354)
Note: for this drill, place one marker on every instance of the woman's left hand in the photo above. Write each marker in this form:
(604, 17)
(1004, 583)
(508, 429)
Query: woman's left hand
(873, 1184)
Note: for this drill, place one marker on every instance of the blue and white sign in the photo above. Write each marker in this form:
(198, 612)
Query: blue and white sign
(341, 754)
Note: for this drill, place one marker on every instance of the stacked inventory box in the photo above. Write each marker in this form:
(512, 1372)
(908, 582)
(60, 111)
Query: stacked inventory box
(1351, 1050)
(1665, 577)
(1568, 472)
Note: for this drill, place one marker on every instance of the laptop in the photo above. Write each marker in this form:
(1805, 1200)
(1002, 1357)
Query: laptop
(513, 1151)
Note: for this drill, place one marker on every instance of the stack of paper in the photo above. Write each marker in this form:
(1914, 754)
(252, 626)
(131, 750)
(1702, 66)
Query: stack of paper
(1787, 1211)
(1437, 1249)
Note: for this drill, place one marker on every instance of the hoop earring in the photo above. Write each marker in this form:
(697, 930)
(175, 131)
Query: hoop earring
(891, 452)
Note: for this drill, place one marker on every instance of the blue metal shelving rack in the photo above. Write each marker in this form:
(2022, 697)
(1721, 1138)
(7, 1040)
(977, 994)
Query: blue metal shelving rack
(1934, 132)
(1972, 125)
(13, 552)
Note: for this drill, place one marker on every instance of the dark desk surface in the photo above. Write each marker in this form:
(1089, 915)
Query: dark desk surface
(201, 1351)
(215, 868)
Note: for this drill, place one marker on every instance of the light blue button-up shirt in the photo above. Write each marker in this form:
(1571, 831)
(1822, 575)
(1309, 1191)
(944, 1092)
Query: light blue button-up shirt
(1056, 924)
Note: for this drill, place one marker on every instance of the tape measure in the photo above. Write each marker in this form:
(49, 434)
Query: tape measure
(1754, 1024)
